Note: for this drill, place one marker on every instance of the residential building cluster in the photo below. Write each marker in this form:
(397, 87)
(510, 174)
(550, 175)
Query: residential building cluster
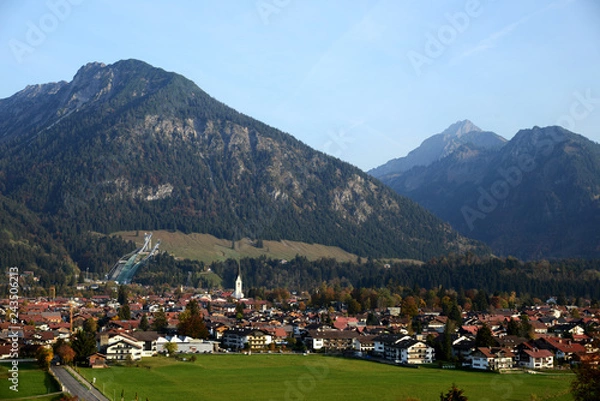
(559, 335)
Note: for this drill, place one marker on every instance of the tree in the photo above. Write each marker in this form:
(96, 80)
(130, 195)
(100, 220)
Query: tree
(586, 386)
(417, 325)
(125, 312)
(353, 307)
(239, 311)
(122, 295)
(455, 314)
(191, 322)
(171, 348)
(129, 360)
(66, 353)
(562, 299)
(291, 342)
(480, 302)
(526, 327)
(300, 346)
(160, 322)
(84, 344)
(372, 320)
(409, 307)
(57, 344)
(90, 326)
(44, 357)
(484, 337)
(513, 328)
(446, 345)
(144, 325)
(454, 394)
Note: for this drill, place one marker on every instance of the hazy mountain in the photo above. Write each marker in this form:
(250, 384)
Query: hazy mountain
(129, 146)
(439, 146)
(536, 197)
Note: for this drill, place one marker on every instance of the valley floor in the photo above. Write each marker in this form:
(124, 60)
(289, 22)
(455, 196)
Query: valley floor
(314, 377)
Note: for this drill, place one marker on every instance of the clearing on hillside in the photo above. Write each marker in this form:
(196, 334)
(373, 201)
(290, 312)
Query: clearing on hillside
(207, 248)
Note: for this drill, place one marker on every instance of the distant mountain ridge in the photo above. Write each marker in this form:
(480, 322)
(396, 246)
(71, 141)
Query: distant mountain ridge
(129, 146)
(538, 196)
(439, 146)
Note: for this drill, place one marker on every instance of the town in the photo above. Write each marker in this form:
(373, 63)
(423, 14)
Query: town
(128, 326)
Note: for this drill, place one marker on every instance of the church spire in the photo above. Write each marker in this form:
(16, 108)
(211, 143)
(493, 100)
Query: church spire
(238, 294)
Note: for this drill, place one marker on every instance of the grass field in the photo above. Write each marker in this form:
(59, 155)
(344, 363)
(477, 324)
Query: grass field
(206, 248)
(312, 377)
(32, 381)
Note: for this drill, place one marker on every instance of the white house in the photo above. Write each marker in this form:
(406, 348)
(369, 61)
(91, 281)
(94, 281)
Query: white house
(238, 338)
(437, 324)
(148, 340)
(536, 359)
(331, 340)
(411, 351)
(185, 344)
(122, 346)
(463, 347)
(403, 349)
(485, 358)
(380, 342)
(364, 344)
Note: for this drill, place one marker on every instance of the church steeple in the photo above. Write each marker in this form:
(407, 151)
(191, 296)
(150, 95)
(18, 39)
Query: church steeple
(238, 294)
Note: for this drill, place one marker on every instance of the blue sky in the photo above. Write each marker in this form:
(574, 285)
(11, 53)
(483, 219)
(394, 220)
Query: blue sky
(365, 81)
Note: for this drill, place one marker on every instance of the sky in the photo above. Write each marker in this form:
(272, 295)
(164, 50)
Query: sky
(363, 80)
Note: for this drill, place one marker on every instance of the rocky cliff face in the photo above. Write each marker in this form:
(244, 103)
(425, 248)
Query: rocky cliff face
(130, 146)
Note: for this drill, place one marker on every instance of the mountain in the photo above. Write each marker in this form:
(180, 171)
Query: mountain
(129, 146)
(439, 146)
(538, 196)
(25, 242)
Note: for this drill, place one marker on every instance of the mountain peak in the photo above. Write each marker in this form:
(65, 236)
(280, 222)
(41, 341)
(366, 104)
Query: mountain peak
(151, 146)
(460, 128)
(439, 146)
(536, 132)
(548, 207)
(93, 66)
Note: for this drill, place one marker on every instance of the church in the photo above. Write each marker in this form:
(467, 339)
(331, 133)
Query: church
(238, 294)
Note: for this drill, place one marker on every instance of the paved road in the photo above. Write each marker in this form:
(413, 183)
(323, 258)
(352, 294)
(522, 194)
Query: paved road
(76, 388)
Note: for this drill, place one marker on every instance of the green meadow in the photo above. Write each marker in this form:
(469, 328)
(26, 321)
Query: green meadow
(312, 377)
(32, 382)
